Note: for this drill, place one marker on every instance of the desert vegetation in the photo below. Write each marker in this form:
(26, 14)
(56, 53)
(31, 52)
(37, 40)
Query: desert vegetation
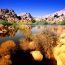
(5, 49)
(45, 47)
(5, 22)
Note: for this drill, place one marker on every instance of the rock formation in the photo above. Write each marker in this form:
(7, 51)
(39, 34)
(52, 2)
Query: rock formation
(9, 15)
(26, 17)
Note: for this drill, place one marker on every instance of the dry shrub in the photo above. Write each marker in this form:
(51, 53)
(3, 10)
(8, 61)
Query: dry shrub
(24, 44)
(6, 46)
(59, 50)
(5, 60)
(28, 45)
(5, 50)
(45, 42)
(32, 45)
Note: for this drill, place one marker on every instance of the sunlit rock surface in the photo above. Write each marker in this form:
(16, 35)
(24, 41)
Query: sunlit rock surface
(37, 55)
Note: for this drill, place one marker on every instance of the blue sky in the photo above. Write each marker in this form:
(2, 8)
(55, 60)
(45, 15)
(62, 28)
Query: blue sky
(35, 7)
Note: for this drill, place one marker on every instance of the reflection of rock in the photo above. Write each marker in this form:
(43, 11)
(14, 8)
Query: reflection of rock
(11, 31)
(4, 30)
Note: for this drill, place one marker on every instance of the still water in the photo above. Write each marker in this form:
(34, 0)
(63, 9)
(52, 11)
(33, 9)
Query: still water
(35, 28)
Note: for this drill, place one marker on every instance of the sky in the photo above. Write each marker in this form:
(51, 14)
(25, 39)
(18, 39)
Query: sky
(37, 8)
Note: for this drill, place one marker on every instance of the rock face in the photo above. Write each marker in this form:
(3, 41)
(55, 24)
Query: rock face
(8, 15)
(26, 17)
(57, 16)
(53, 18)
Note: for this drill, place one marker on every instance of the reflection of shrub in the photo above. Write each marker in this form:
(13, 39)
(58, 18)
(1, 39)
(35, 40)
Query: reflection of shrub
(26, 30)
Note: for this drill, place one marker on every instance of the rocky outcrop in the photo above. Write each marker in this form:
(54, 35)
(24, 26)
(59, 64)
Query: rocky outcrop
(26, 17)
(9, 15)
(56, 17)
(53, 18)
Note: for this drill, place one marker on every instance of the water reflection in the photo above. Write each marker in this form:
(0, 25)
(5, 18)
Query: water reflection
(7, 33)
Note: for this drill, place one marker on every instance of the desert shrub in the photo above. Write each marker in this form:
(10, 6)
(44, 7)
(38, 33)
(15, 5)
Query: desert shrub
(6, 48)
(24, 44)
(41, 22)
(45, 42)
(24, 22)
(62, 22)
(5, 22)
(5, 60)
(33, 21)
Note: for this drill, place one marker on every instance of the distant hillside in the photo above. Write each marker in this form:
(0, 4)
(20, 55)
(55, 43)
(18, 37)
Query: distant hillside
(54, 18)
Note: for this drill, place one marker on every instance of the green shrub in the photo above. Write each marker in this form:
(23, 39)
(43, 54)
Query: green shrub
(41, 22)
(4, 22)
(62, 22)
